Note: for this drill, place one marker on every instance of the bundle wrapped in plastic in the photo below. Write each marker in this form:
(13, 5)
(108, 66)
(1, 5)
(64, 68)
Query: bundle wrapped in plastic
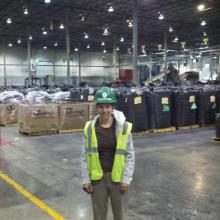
(53, 90)
(8, 97)
(60, 96)
(38, 96)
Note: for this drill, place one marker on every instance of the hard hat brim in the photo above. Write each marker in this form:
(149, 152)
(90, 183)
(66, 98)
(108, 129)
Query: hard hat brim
(105, 101)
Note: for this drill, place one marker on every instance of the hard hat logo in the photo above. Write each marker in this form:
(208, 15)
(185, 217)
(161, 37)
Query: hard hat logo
(104, 95)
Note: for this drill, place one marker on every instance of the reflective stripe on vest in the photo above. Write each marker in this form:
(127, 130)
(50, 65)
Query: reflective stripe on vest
(94, 166)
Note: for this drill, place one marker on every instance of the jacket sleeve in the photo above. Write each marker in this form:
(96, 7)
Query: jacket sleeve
(84, 167)
(129, 162)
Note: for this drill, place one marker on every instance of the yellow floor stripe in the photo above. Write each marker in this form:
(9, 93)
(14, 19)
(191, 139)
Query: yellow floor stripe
(31, 197)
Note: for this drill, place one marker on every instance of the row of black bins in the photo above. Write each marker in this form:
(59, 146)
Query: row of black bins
(82, 94)
(163, 107)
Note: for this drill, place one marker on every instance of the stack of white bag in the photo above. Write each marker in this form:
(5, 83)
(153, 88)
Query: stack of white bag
(60, 96)
(37, 96)
(8, 97)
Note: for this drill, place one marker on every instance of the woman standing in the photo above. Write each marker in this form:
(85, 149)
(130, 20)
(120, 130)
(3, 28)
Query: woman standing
(107, 157)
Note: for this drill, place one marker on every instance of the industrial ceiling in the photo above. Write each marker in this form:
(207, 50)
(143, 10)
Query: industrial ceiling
(88, 19)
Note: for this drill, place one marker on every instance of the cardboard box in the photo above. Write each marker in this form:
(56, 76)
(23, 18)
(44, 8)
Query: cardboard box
(37, 118)
(8, 113)
(73, 116)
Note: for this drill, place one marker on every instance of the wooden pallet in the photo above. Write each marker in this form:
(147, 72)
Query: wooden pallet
(140, 133)
(9, 125)
(163, 130)
(39, 133)
(70, 131)
(188, 127)
(207, 125)
(215, 139)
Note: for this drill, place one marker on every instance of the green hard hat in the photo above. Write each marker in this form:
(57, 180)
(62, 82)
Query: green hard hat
(105, 95)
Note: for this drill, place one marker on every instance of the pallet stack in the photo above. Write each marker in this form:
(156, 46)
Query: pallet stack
(8, 114)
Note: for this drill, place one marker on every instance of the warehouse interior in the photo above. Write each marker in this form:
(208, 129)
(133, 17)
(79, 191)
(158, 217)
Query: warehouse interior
(160, 58)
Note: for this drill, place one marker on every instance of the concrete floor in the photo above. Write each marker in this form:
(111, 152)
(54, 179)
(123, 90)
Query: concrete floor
(177, 177)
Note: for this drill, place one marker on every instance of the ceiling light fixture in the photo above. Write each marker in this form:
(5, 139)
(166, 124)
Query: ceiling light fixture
(203, 23)
(122, 39)
(30, 37)
(103, 43)
(130, 23)
(201, 7)
(19, 41)
(9, 21)
(10, 45)
(47, 1)
(88, 46)
(76, 49)
(45, 47)
(176, 39)
(86, 36)
(56, 44)
(110, 9)
(26, 12)
(170, 29)
(204, 34)
(61, 26)
(44, 32)
(117, 48)
(82, 18)
(104, 51)
(161, 16)
(105, 32)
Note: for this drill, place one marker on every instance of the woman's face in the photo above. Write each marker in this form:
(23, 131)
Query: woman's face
(105, 110)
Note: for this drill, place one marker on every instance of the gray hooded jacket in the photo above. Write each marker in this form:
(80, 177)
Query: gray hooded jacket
(129, 156)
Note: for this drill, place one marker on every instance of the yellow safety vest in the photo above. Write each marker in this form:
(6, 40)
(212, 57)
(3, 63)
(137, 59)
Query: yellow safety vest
(93, 162)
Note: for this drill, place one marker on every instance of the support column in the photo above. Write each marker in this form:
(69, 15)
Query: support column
(54, 73)
(191, 62)
(179, 52)
(150, 60)
(119, 65)
(135, 43)
(218, 64)
(29, 63)
(114, 59)
(165, 50)
(67, 41)
(4, 63)
(79, 67)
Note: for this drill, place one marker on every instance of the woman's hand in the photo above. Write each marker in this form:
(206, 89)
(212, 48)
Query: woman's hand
(87, 187)
(124, 187)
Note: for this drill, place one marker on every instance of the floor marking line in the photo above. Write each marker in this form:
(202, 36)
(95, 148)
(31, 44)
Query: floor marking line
(32, 198)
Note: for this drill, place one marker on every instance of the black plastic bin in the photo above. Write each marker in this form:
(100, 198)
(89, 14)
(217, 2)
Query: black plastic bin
(184, 106)
(206, 105)
(159, 107)
(133, 105)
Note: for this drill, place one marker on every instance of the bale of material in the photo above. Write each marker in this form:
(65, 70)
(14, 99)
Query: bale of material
(36, 118)
(8, 113)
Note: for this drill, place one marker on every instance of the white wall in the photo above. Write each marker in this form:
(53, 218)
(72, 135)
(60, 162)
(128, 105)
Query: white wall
(95, 67)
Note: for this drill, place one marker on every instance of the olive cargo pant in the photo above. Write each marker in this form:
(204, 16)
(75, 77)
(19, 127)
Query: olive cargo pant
(103, 190)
